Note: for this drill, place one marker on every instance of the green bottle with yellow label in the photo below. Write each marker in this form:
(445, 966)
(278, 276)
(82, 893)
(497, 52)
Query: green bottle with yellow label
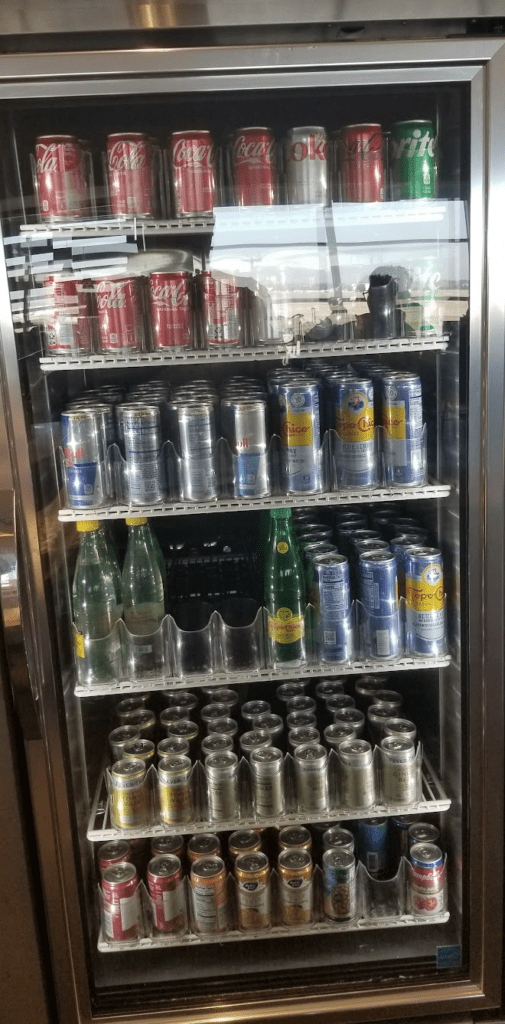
(284, 592)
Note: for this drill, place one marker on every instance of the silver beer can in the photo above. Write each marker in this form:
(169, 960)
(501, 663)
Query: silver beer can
(222, 785)
(357, 783)
(311, 769)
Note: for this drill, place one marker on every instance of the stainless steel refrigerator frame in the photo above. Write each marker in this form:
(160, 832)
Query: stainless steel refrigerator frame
(136, 72)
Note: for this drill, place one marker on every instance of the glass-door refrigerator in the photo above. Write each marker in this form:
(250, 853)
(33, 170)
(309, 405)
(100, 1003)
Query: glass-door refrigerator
(252, 333)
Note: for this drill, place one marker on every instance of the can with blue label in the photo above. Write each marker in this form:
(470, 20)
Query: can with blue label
(399, 545)
(244, 424)
(142, 443)
(300, 429)
(425, 632)
(339, 885)
(402, 419)
(353, 406)
(333, 607)
(378, 593)
(373, 846)
(84, 448)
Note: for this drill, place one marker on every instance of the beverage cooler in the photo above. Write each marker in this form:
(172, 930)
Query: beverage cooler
(253, 378)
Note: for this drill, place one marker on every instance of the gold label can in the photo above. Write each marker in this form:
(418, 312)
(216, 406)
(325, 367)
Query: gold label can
(174, 789)
(130, 794)
(252, 877)
(295, 887)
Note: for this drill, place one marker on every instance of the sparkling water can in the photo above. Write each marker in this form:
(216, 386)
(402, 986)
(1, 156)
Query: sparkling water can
(424, 591)
(402, 419)
(301, 436)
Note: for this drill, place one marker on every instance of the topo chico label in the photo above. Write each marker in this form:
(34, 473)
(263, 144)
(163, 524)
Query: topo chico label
(355, 418)
(427, 592)
(284, 627)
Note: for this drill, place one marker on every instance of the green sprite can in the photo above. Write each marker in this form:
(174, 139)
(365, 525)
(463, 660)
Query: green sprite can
(414, 153)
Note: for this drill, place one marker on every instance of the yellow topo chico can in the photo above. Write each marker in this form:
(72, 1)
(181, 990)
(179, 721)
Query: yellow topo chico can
(130, 794)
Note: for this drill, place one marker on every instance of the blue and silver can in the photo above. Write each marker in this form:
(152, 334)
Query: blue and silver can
(399, 545)
(425, 632)
(244, 425)
(194, 422)
(301, 436)
(354, 423)
(333, 607)
(142, 445)
(373, 846)
(84, 455)
(402, 419)
(378, 593)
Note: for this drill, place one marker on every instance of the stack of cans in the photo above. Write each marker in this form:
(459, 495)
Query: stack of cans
(244, 424)
(296, 416)
(193, 427)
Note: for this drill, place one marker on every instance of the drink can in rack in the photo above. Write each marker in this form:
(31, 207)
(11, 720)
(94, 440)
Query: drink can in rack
(116, 852)
(339, 885)
(163, 846)
(62, 181)
(192, 158)
(244, 425)
(142, 445)
(130, 794)
(333, 607)
(378, 591)
(120, 315)
(204, 845)
(222, 304)
(295, 869)
(402, 419)
(68, 328)
(361, 163)
(171, 309)
(424, 591)
(373, 845)
(130, 174)
(353, 406)
(252, 876)
(209, 894)
(253, 163)
(307, 165)
(414, 145)
(84, 447)
(166, 889)
(121, 902)
(300, 429)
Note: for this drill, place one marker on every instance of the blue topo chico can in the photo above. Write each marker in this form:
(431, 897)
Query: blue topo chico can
(300, 429)
(353, 404)
(402, 419)
(333, 607)
(378, 593)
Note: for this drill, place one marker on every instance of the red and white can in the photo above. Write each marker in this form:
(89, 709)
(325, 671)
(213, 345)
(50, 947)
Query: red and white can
(166, 889)
(253, 160)
(222, 310)
(361, 163)
(116, 852)
(120, 314)
(68, 326)
(121, 902)
(130, 174)
(62, 180)
(192, 157)
(171, 309)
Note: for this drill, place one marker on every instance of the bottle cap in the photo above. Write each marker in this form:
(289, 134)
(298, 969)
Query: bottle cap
(136, 521)
(86, 525)
(280, 513)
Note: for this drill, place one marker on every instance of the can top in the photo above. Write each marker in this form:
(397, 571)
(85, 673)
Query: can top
(378, 712)
(337, 837)
(186, 729)
(174, 764)
(117, 874)
(338, 701)
(400, 748)
(116, 848)
(303, 734)
(167, 845)
(221, 763)
(327, 687)
(302, 703)
(223, 695)
(86, 525)
(422, 832)
(129, 768)
(164, 866)
(269, 721)
(183, 699)
(212, 711)
(207, 867)
(217, 741)
(250, 863)
(355, 753)
(350, 716)
(124, 733)
(224, 726)
(399, 726)
(288, 690)
(300, 719)
(313, 754)
(172, 745)
(339, 730)
(329, 558)
(253, 708)
(266, 759)
(136, 520)
(338, 859)
(425, 854)
(294, 860)
(243, 839)
(130, 704)
(424, 552)
(377, 556)
(384, 697)
(139, 748)
(204, 843)
(255, 738)
(294, 835)
(142, 717)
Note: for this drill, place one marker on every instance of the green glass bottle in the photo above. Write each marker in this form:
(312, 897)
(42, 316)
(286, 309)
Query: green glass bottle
(284, 591)
(143, 597)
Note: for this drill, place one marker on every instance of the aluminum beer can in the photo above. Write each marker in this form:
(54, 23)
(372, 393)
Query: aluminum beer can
(130, 174)
(246, 840)
(62, 181)
(373, 845)
(402, 419)
(171, 309)
(355, 427)
(222, 310)
(254, 171)
(121, 902)
(423, 832)
(167, 846)
(245, 428)
(295, 837)
(333, 607)
(142, 445)
(252, 877)
(338, 838)
(357, 784)
(84, 456)
(295, 870)
(399, 770)
(175, 790)
(300, 430)
(427, 880)
(307, 166)
(209, 894)
(166, 889)
(120, 314)
(204, 845)
(424, 592)
(339, 885)
(68, 329)
(267, 771)
(196, 431)
(116, 852)
(378, 592)
(192, 159)
(222, 785)
(119, 737)
(311, 771)
(142, 749)
(361, 163)
(130, 795)
(414, 151)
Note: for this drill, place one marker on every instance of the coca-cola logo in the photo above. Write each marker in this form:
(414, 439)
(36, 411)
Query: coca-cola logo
(110, 295)
(253, 152)
(316, 149)
(362, 146)
(166, 295)
(193, 154)
(49, 157)
(127, 156)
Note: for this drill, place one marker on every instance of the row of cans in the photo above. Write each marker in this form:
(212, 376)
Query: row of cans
(124, 315)
(359, 163)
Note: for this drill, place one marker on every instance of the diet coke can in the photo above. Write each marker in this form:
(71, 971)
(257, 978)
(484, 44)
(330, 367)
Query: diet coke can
(62, 180)
(222, 310)
(120, 314)
(171, 309)
(68, 328)
(306, 155)
(192, 173)
(361, 163)
(130, 166)
(254, 171)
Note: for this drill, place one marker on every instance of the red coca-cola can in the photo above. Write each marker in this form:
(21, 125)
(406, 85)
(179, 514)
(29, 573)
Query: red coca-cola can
(166, 889)
(222, 304)
(361, 163)
(120, 314)
(254, 170)
(62, 180)
(171, 309)
(130, 174)
(192, 159)
(116, 852)
(69, 325)
(121, 902)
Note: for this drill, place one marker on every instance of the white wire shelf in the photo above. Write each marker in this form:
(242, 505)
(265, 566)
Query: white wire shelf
(231, 354)
(232, 679)
(276, 932)
(135, 226)
(328, 498)
(101, 828)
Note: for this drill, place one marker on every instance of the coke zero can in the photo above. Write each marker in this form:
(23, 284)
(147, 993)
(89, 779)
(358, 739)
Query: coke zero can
(254, 167)
(120, 314)
(62, 182)
(192, 173)
(171, 312)
(361, 163)
(130, 174)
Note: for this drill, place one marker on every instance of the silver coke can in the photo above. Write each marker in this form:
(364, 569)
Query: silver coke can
(307, 165)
